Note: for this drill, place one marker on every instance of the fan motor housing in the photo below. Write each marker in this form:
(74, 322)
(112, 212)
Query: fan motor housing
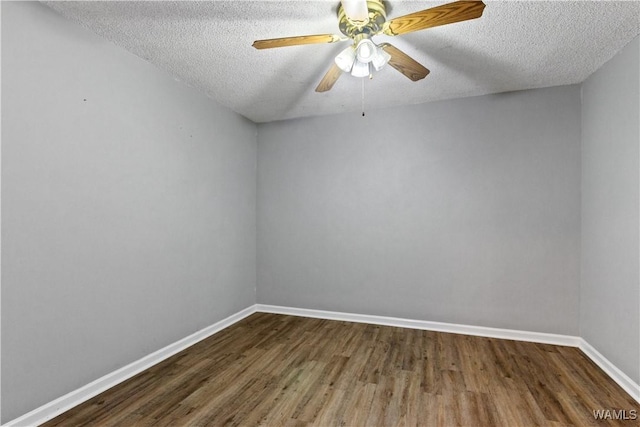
(377, 17)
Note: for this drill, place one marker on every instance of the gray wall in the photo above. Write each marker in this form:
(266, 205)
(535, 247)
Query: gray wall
(463, 211)
(128, 208)
(610, 285)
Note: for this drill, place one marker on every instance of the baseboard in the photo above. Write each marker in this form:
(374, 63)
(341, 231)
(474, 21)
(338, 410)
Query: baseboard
(76, 397)
(480, 331)
(610, 369)
(567, 340)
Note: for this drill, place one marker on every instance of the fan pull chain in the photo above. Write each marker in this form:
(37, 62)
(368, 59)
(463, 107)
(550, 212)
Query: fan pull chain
(362, 97)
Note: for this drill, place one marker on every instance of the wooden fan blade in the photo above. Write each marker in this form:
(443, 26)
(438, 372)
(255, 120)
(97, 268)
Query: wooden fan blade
(404, 63)
(294, 41)
(439, 15)
(329, 79)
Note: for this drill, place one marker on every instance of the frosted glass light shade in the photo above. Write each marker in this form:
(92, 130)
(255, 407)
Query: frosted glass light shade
(360, 69)
(366, 50)
(345, 59)
(380, 59)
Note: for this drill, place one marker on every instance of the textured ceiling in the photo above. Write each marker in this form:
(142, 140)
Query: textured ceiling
(514, 45)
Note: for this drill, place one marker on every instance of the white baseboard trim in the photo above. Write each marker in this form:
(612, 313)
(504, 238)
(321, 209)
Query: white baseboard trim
(76, 397)
(509, 334)
(567, 340)
(610, 369)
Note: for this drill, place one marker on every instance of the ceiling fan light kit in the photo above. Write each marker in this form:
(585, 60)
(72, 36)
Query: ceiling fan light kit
(365, 50)
(380, 58)
(345, 59)
(362, 57)
(360, 20)
(360, 69)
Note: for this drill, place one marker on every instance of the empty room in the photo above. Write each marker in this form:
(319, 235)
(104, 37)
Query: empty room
(354, 213)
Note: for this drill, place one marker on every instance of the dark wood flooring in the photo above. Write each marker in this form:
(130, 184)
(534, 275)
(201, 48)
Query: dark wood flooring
(282, 370)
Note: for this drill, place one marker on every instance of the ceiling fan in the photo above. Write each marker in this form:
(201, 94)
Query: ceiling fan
(360, 20)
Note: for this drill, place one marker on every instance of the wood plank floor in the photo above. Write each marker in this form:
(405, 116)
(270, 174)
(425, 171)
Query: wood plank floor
(282, 370)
